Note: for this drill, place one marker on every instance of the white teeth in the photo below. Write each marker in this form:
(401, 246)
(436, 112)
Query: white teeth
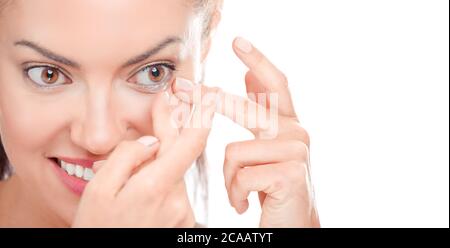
(70, 168)
(88, 174)
(77, 170)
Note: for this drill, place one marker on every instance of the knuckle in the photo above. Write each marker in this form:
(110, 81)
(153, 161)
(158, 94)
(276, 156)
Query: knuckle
(283, 78)
(146, 186)
(300, 149)
(303, 135)
(306, 137)
(152, 188)
(279, 181)
(298, 172)
(240, 178)
(231, 151)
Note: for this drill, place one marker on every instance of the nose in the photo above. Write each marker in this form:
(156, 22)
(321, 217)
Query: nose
(98, 129)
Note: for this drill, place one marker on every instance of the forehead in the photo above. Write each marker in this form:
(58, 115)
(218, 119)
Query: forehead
(99, 26)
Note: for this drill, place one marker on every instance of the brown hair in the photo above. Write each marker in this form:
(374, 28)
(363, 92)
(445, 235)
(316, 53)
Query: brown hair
(4, 167)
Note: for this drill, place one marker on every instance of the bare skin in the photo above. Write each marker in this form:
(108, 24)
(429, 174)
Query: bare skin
(277, 168)
(97, 110)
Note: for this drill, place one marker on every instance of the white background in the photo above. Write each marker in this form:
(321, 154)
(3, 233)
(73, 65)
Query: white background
(370, 81)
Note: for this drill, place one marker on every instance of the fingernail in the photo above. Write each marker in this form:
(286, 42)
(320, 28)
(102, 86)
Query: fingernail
(243, 45)
(147, 140)
(96, 166)
(184, 85)
(98, 163)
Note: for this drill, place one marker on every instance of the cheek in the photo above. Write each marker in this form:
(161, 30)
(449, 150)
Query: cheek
(27, 124)
(134, 110)
(25, 116)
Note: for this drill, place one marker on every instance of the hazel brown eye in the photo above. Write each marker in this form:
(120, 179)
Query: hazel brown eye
(49, 75)
(154, 78)
(46, 76)
(156, 73)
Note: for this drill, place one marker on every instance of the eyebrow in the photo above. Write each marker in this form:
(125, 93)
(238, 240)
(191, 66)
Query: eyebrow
(63, 60)
(47, 53)
(152, 51)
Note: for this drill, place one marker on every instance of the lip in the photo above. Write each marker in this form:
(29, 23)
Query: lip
(88, 163)
(74, 184)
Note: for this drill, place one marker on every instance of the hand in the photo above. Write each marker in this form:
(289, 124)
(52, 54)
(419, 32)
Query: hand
(142, 186)
(277, 168)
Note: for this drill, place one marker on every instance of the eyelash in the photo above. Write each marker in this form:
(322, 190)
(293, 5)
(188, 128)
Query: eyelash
(148, 89)
(26, 70)
(169, 65)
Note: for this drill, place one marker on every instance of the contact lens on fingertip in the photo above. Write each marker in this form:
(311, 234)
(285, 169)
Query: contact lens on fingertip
(183, 84)
(147, 140)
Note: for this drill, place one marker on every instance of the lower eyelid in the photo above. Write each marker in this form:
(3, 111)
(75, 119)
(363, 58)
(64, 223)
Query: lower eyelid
(26, 70)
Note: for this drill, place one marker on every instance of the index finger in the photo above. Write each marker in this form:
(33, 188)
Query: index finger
(265, 73)
(169, 168)
(164, 127)
(262, 122)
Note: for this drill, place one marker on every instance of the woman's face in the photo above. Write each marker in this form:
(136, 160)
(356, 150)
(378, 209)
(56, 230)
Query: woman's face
(79, 76)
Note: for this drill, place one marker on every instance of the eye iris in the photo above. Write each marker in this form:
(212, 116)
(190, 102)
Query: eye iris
(156, 73)
(49, 75)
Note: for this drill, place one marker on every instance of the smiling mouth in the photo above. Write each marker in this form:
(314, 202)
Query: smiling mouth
(74, 170)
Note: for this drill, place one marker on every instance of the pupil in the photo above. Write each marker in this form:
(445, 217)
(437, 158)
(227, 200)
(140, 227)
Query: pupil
(155, 72)
(50, 74)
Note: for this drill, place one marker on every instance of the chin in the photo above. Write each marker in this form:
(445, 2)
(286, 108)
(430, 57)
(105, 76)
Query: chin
(54, 199)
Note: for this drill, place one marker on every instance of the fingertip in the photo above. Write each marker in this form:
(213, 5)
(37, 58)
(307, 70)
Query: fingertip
(242, 206)
(148, 140)
(242, 45)
(97, 165)
(184, 89)
(183, 84)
